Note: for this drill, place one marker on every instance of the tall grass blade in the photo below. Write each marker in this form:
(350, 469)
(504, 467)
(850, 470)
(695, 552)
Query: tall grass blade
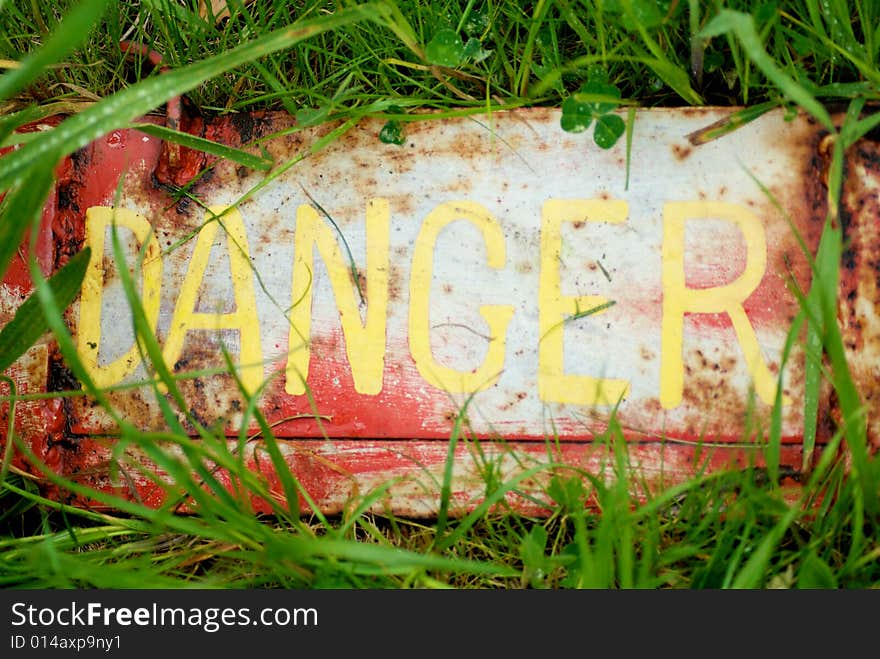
(667, 70)
(289, 483)
(812, 380)
(147, 343)
(21, 208)
(730, 123)
(465, 524)
(743, 26)
(239, 156)
(537, 20)
(130, 103)
(828, 261)
(29, 322)
(10, 430)
(449, 468)
(9, 123)
(68, 35)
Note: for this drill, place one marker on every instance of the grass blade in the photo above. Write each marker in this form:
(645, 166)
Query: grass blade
(201, 144)
(667, 70)
(29, 322)
(148, 344)
(21, 208)
(70, 33)
(743, 26)
(130, 103)
(730, 123)
(10, 429)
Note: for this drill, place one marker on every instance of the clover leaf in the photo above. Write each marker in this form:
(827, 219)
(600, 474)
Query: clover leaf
(602, 97)
(473, 50)
(608, 130)
(576, 116)
(596, 99)
(445, 49)
(392, 133)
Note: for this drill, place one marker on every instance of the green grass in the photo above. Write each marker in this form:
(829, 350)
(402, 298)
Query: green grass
(348, 60)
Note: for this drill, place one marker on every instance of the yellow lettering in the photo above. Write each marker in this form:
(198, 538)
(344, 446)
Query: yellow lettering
(364, 342)
(98, 218)
(244, 318)
(678, 299)
(497, 317)
(554, 307)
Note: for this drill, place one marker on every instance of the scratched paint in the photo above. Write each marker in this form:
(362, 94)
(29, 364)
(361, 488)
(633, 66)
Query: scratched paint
(492, 267)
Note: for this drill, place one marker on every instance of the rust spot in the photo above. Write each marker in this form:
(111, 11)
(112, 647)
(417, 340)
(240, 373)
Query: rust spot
(719, 407)
(401, 205)
(362, 284)
(67, 197)
(108, 267)
(689, 110)
(681, 152)
(60, 377)
(81, 159)
(396, 285)
(197, 416)
(860, 277)
(178, 165)
(249, 125)
(870, 157)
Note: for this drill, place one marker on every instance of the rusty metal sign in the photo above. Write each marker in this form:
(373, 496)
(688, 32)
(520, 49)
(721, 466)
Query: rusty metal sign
(493, 273)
